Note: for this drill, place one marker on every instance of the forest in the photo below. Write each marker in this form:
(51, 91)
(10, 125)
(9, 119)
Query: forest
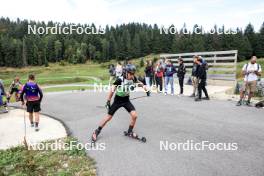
(125, 41)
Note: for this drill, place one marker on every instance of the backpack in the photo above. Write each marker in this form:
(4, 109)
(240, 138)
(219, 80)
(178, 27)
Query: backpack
(205, 64)
(31, 90)
(257, 66)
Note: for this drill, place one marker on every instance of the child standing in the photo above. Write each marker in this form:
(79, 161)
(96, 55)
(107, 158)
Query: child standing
(33, 95)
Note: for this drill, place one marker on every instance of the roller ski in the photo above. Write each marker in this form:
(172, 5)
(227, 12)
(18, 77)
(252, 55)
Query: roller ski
(95, 135)
(135, 136)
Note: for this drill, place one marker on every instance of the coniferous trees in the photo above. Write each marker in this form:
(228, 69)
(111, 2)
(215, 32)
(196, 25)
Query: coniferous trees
(18, 48)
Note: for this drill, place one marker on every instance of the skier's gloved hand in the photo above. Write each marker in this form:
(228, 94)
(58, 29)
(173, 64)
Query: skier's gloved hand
(107, 105)
(148, 93)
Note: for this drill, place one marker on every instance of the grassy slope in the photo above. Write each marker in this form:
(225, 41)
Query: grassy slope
(59, 74)
(19, 161)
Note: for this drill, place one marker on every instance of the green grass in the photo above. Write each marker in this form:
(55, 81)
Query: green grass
(19, 161)
(57, 74)
(66, 73)
(68, 88)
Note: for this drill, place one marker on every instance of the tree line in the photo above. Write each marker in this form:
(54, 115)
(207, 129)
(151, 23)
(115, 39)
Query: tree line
(18, 48)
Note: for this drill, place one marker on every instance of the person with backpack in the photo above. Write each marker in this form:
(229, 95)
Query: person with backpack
(169, 71)
(251, 71)
(201, 76)
(181, 74)
(33, 95)
(3, 101)
(122, 87)
(14, 88)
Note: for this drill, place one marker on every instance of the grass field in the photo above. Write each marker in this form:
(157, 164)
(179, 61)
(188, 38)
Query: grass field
(58, 74)
(88, 73)
(19, 161)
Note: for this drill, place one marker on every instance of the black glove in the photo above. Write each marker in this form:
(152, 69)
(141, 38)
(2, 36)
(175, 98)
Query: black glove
(148, 93)
(107, 105)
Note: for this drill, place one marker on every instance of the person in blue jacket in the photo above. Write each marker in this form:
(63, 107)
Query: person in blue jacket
(169, 71)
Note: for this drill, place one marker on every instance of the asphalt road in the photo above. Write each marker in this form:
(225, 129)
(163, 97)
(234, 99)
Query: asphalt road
(166, 118)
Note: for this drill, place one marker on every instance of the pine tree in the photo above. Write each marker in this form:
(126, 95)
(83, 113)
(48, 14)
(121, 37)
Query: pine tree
(58, 50)
(105, 50)
(260, 42)
(250, 34)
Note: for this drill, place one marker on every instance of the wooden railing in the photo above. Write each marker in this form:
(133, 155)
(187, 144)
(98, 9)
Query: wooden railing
(222, 64)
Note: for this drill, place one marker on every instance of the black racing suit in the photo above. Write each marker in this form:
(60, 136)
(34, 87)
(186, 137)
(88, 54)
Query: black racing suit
(202, 76)
(122, 95)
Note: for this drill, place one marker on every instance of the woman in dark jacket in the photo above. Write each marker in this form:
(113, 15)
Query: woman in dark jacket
(181, 73)
(149, 73)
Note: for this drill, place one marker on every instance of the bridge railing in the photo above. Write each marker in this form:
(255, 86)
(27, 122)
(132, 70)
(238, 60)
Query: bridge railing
(222, 64)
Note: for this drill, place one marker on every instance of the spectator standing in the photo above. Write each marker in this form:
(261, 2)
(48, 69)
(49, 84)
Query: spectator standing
(181, 73)
(169, 71)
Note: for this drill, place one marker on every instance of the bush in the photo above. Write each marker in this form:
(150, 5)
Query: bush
(141, 64)
(62, 63)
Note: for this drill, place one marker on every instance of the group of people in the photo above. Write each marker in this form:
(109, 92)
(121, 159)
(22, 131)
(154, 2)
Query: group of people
(30, 93)
(162, 73)
(124, 77)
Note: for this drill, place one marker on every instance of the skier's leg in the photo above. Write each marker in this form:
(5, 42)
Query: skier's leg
(132, 111)
(114, 107)
(36, 121)
(133, 115)
(30, 115)
(100, 127)
(106, 119)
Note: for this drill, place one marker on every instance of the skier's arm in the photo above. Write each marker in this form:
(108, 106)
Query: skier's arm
(22, 96)
(111, 93)
(11, 86)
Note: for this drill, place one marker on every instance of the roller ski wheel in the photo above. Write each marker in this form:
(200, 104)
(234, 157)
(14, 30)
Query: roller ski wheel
(135, 136)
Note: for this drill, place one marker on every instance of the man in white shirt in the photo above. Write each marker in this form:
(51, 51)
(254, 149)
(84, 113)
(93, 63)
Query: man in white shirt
(251, 72)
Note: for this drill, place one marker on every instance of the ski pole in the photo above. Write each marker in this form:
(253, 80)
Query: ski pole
(25, 128)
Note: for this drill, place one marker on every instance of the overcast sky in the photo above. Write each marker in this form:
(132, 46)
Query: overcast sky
(231, 13)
